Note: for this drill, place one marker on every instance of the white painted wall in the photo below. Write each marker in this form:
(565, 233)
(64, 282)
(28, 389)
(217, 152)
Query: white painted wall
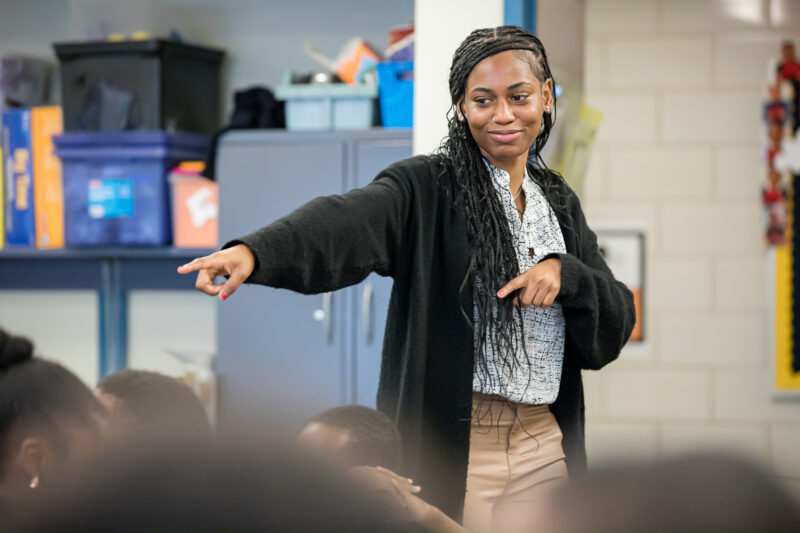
(680, 83)
(442, 25)
(62, 324)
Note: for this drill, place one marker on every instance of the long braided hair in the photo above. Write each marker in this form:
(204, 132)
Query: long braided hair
(493, 260)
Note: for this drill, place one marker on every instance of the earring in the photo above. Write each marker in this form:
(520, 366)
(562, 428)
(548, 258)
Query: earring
(34, 482)
(547, 109)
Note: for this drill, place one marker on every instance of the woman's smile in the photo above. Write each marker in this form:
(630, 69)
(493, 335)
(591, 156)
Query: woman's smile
(506, 136)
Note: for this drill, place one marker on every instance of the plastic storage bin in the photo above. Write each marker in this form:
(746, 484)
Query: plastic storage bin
(396, 90)
(327, 106)
(115, 185)
(24, 80)
(139, 85)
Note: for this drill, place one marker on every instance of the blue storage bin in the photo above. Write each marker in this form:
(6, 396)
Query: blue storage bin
(326, 106)
(115, 185)
(396, 93)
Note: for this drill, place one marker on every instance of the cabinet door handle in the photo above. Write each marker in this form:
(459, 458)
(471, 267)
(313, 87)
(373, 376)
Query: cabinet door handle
(327, 319)
(366, 312)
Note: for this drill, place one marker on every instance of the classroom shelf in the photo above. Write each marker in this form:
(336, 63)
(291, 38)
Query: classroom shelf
(112, 272)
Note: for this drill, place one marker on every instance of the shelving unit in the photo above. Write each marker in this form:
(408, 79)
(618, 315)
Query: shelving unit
(112, 272)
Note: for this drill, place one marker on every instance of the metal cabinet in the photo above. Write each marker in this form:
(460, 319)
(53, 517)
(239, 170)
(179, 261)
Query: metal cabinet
(279, 350)
(371, 297)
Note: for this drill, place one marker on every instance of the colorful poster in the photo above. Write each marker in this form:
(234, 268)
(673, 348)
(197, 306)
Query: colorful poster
(780, 196)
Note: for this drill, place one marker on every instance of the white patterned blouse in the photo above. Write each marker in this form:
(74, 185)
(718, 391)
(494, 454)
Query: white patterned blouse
(537, 379)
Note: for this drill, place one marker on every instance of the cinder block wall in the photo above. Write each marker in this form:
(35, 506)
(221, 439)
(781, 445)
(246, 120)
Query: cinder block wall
(681, 83)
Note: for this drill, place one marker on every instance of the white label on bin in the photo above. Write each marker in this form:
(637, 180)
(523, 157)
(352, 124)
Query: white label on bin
(201, 207)
(110, 198)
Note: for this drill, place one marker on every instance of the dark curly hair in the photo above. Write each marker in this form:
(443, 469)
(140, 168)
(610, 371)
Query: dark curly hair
(376, 439)
(41, 396)
(492, 255)
(149, 401)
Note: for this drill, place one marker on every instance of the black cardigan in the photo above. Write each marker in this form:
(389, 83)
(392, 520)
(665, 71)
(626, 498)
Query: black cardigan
(404, 225)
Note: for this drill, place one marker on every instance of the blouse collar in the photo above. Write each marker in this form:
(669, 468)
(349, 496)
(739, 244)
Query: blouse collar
(501, 178)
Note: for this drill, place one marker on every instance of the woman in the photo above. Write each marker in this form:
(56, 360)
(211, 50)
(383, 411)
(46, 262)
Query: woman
(48, 417)
(500, 295)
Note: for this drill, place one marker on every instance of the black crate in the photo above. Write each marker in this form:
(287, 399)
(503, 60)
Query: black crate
(140, 85)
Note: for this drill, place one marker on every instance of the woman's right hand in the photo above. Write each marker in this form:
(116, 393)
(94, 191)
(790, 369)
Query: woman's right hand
(236, 262)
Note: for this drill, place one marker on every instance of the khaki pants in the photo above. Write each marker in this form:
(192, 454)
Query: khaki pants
(515, 459)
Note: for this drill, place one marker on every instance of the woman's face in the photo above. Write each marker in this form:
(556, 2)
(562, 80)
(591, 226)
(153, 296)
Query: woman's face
(503, 104)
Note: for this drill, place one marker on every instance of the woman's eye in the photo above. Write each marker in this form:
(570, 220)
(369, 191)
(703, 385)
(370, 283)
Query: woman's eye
(519, 97)
(482, 101)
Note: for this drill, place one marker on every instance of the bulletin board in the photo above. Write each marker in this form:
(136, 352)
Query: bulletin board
(782, 264)
(780, 197)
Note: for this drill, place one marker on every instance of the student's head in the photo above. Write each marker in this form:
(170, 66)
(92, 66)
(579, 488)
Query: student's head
(140, 401)
(353, 435)
(48, 417)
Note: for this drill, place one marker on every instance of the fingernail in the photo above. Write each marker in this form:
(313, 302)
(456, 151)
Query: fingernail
(223, 296)
(500, 293)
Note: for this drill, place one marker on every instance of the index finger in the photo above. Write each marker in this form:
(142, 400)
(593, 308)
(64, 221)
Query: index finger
(194, 265)
(511, 286)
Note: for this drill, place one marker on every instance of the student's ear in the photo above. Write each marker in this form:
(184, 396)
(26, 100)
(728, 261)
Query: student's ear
(460, 111)
(33, 456)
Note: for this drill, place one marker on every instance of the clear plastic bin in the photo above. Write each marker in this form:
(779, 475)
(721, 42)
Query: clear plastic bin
(327, 106)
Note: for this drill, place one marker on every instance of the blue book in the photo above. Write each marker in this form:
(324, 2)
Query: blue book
(20, 219)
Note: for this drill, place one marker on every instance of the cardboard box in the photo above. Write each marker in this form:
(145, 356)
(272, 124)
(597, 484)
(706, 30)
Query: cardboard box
(47, 185)
(20, 228)
(195, 211)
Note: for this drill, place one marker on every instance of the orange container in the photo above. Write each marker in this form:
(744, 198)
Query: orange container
(195, 211)
(47, 186)
(636, 334)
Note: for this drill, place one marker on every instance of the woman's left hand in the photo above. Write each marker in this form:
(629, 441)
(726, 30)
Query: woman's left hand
(537, 286)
